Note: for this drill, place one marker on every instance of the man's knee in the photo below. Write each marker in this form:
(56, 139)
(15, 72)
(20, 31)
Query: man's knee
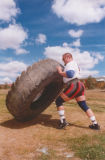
(59, 101)
(83, 105)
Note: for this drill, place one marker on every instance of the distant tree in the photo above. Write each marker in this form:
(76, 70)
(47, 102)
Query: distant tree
(6, 86)
(90, 82)
(101, 84)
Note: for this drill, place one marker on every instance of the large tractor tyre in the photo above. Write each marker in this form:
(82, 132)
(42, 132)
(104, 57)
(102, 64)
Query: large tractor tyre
(34, 90)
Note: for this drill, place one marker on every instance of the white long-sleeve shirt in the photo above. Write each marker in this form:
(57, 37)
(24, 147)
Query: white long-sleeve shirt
(71, 66)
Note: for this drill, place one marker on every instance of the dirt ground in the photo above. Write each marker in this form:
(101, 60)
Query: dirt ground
(28, 140)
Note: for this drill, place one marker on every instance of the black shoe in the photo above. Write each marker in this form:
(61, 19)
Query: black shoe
(63, 125)
(94, 126)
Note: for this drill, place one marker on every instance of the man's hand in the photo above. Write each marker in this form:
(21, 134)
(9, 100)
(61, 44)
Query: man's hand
(59, 68)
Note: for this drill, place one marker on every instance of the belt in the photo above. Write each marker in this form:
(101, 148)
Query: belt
(69, 82)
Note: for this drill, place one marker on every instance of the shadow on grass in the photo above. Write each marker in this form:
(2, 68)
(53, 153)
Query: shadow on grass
(42, 119)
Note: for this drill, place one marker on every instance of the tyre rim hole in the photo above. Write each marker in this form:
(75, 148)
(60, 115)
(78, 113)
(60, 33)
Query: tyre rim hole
(38, 95)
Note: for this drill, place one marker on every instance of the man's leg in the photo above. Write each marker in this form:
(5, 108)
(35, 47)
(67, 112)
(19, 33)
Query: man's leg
(82, 103)
(60, 108)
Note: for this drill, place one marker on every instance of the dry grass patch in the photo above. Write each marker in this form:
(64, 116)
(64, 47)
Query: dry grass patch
(40, 139)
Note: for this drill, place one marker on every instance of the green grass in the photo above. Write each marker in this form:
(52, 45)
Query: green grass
(50, 156)
(98, 107)
(88, 147)
(3, 108)
(95, 99)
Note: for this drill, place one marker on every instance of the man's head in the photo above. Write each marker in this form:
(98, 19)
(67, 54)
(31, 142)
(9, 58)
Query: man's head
(67, 57)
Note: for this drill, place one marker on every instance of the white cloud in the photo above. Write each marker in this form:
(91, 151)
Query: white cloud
(84, 59)
(76, 43)
(13, 66)
(80, 12)
(13, 75)
(99, 56)
(55, 52)
(75, 34)
(21, 51)
(65, 44)
(41, 38)
(8, 10)
(13, 37)
(85, 73)
(5, 80)
(10, 70)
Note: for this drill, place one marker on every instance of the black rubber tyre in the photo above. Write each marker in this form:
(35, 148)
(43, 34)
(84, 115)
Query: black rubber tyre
(34, 90)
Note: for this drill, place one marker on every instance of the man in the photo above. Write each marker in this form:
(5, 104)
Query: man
(74, 89)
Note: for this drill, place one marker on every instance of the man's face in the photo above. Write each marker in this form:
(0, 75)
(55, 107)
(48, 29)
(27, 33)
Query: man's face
(66, 59)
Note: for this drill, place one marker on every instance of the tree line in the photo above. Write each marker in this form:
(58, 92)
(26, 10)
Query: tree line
(90, 83)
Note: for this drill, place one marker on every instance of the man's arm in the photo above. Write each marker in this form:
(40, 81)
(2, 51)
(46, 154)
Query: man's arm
(59, 68)
(67, 74)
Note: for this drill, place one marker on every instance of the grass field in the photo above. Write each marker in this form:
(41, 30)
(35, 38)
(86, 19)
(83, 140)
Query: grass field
(40, 139)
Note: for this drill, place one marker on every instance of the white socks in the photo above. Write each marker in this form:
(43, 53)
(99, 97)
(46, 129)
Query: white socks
(61, 114)
(62, 117)
(93, 119)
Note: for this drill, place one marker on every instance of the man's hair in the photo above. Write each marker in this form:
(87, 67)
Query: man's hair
(67, 55)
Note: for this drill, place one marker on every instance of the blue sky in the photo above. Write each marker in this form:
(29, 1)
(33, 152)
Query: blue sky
(38, 29)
